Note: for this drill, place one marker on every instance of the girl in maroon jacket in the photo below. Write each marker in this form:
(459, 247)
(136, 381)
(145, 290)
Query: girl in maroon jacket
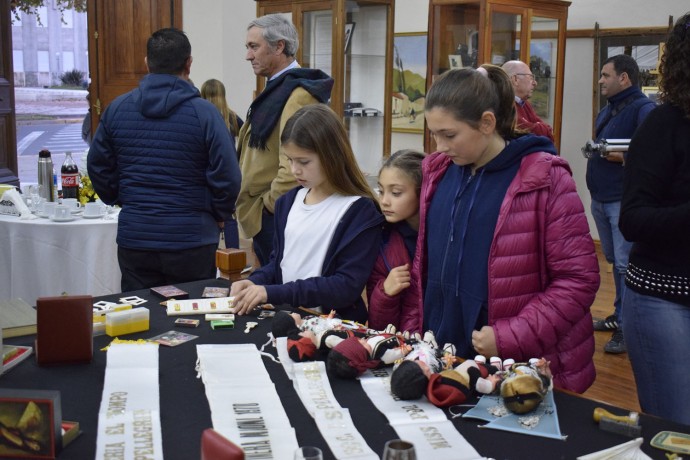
(390, 300)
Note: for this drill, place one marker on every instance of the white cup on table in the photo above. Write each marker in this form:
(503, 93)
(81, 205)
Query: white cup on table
(47, 208)
(72, 203)
(94, 209)
(61, 212)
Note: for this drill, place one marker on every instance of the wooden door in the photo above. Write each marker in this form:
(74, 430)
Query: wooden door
(118, 31)
(8, 137)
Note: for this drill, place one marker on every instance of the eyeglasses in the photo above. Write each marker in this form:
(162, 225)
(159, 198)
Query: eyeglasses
(531, 76)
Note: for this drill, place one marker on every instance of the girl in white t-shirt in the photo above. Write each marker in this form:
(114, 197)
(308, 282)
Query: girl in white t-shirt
(328, 229)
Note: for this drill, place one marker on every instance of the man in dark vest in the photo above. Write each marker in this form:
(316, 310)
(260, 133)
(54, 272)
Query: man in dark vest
(626, 110)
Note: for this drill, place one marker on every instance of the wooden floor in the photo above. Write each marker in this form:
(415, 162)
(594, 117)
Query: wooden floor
(615, 383)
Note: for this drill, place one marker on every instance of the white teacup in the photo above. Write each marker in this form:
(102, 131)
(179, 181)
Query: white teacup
(94, 209)
(61, 212)
(47, 208)
(72, 203)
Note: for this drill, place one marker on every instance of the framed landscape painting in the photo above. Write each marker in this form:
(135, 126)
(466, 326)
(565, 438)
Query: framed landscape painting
(409, 82)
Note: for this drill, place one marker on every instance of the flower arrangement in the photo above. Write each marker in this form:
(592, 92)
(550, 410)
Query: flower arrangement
(86, 191)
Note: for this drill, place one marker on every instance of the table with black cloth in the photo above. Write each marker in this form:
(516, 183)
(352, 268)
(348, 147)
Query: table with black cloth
(185, 411)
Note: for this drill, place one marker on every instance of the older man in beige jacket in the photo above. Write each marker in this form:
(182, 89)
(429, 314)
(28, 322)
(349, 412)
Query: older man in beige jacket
(271, 46)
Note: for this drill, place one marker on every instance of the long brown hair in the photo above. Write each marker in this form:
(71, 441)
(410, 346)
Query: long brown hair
(467, 94)
(675, 66)
(214, 91)
(318, 129)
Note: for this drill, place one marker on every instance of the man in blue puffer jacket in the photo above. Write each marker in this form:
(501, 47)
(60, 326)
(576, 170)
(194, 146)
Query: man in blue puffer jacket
(164, 154)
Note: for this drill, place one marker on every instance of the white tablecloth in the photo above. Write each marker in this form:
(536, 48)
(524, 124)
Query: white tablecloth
(41, 258)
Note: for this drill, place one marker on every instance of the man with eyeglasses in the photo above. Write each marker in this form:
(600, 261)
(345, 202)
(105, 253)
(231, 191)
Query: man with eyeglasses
(524, 83)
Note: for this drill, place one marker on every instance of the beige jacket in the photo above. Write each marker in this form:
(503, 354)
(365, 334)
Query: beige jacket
(266, 173)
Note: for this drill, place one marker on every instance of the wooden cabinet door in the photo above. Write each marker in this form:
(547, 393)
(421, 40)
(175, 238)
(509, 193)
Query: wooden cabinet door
(8, 138)
(118, 31)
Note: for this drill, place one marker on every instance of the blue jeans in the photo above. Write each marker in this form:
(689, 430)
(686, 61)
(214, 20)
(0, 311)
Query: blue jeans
(262, 242)
(614, 246)
(656, 334)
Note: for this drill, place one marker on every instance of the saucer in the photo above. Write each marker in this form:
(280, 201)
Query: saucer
(77, 211)
(88, 216)
(63, 219)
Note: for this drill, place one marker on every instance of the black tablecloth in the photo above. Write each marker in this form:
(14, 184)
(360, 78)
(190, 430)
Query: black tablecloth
(185, 411)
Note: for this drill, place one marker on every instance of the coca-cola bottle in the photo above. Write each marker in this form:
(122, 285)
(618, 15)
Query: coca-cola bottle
(70, 177)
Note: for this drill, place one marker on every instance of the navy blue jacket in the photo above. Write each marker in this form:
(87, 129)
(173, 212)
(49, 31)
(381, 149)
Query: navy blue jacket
(605, 178)
(348, 263)
(165, 155)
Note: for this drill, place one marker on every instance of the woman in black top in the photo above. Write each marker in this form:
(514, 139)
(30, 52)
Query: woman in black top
(655, 216)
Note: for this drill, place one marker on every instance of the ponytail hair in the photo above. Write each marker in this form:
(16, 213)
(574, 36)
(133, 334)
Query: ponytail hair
(468, 93)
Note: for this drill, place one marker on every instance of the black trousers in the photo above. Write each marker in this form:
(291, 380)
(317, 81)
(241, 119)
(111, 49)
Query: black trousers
(143, 269)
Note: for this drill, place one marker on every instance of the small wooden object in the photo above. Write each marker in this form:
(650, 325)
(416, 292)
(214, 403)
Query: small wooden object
(231, 262)
(626, 425)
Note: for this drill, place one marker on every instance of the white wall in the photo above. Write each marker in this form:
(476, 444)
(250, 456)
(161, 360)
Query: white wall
(217, 31)
(582, 14)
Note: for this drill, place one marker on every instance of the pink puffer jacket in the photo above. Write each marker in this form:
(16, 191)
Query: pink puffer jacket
(543, 270)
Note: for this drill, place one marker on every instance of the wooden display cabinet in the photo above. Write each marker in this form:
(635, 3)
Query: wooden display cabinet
(353, 42)
(468, 33)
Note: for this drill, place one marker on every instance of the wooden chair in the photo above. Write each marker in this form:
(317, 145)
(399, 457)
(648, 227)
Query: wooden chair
(215, 446)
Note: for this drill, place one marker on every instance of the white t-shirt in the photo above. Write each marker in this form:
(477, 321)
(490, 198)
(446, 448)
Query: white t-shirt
(308, 234)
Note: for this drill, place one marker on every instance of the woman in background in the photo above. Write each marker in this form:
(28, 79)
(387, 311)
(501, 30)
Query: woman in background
(214, 91)
(655, 217)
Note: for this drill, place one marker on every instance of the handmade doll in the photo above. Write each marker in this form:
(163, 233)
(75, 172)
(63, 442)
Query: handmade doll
(352, 357)
(453, 384)
(526, 385)
(307, 336)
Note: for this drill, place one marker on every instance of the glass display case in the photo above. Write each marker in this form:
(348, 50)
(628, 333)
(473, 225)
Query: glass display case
(468, 33)
(351, 40)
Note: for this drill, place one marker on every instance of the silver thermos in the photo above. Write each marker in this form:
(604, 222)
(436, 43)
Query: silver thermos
(45, 175)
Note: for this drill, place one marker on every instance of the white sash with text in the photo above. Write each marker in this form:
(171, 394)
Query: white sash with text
(419, 422)
(129, 425)
(245, 407)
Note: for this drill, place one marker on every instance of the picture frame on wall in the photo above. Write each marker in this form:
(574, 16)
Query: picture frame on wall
(409, 82)
(31, 422)
(455, 61)
(349, 29)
